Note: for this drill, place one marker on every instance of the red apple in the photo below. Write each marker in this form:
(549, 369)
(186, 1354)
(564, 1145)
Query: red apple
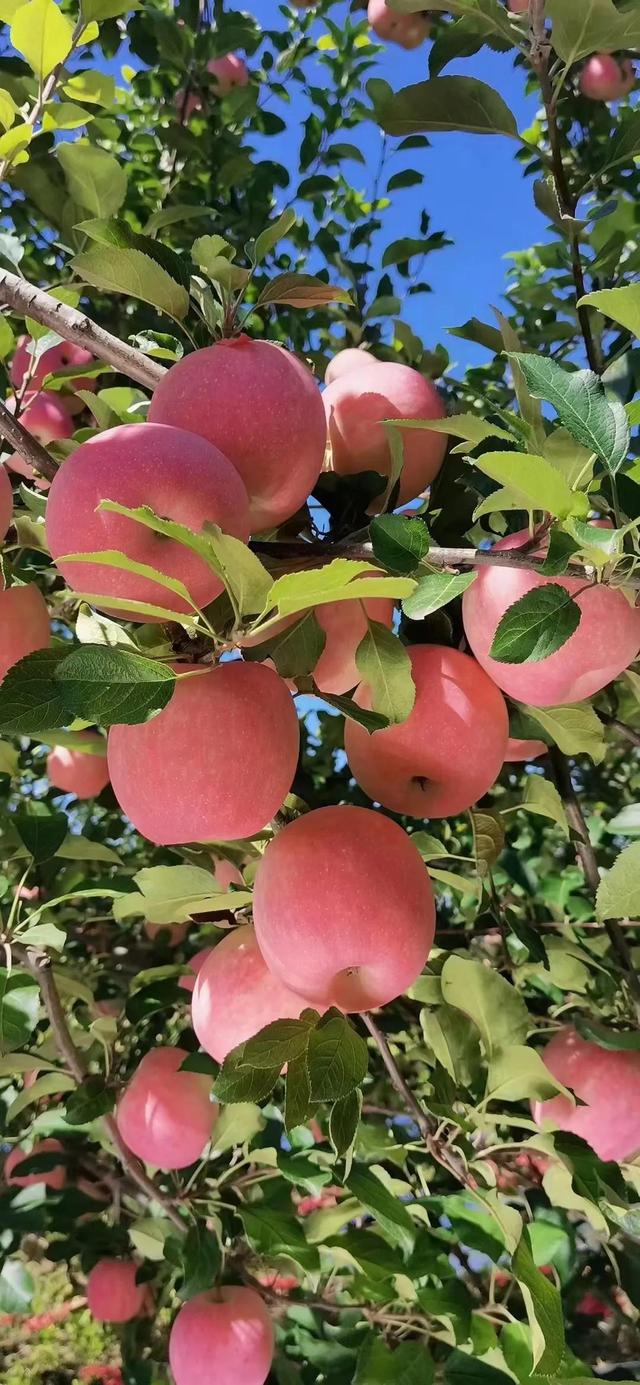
(112, 1292)
(236, 995)
(172, 934)
(195, 964)
(53, 1178)
(75, 771)
(607, 1081)
(408, 30)
(56, 358)
(228, 72)
(603, 78)
(24, 624)
(518, 749)
(225, 1334)
(164, 1115)
(352, 358)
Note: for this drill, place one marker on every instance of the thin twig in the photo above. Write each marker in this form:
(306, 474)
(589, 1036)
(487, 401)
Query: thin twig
(75, 326)
(627, 732)
(26, 445)
(427, 1124)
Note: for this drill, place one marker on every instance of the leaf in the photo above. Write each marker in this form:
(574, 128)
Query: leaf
(16, 1287)
(19, 1009)
(544, 1309)
(444, 103)
(372, 721)
(236, 1082)
(267, 240)
(92, 87)
(621, 305)
(595, 26)
(542, 797)
(95, 181)
(408, 1364)
(113, 686)
(236, 1125)
(200, 1261)
(41, 833)
(535, 481)
(461, 1369)
(453, 1040)
(300, 291)
(9, 758)
(30, 700)
(341, 580)
(51, 1084)
(344, 1120)
(89, 1101)
(276, 1044)
(172, 894)
(581, 404)
(561, 549)
(295, 651)
(337, 1059)
(399, 542)
(132, 273)
(618, 894)
(536, 625)
(491, 1002)
(43, 34)
(488, 838)
(392, 1217)
(384, 665)
(434, 591)
(518, 1073)
(575, 729)
(614, 1040)
(297, 1104)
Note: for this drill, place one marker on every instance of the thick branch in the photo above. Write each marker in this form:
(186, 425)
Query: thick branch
(40, 969)
(587, 858)
(427, 1124)
(26, 445)
(75, 326)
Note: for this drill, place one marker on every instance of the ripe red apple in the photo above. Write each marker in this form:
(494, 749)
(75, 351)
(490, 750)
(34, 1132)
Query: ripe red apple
(228, 72)
(603, 78)
(448, 752)
(53, 1178)
(218, 761)
(172, 933)
(262, 408)
(408, 30)
(164, 1115)
(24, 624)
(225, 1334)
(607, 1081)
(518, 749)
(352, 358)
(236, 995)
(74, 771)
(195, 964)
(60, 357)
(45, 415)
(343, 908)
(225, 873)
(112, 1292)
(356, 406)
(186, 104)
(518, 6)
(345, 625)
(178, 475)
(6, 502)
(606, 641)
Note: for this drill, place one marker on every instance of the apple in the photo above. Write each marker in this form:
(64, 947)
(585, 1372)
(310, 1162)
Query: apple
(518, 749)
(76, 771)
(603, 78)
(225, 1334)
(170, 934)
(235, 995)
(218, 761)
(24, 624)
(112, 1292)
(352, 358)
(226, 874)
(186, 104)
(6, 502)
(195, 964)
(343, 908)
(407, 30)
(45, 415)
(178, 475)
(345, 625)
(228, 72)
(518, 6)
(607, 1081)
(164, 1115)
(56, 358)
(606, 641)
(53, 1178)
(262, 408)
(448, 752)
(356, 406)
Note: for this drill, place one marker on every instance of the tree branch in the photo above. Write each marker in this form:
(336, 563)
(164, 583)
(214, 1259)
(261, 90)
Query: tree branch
(40, 968)
(587, 858)
(75, 326)
(26, 445)
(427, 1124)
(627, 732)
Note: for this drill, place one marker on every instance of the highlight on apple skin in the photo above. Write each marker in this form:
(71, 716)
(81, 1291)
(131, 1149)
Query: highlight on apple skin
(226, 1334)
(350, 887)
(112, 1292)
(449, 751)
(357, 404)
(76, 771)
(219, 758)
(228, 72)
(604, 78)
(607, 1081)
(351, 358)
(24, 624)
(164, 1115)
(54, 1178)
(235, 994)
(605, 642)
(179, 476)
(194, 964)
(276, 439)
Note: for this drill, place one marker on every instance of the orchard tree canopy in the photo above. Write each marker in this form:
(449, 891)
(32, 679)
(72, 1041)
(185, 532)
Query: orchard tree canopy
(319, 702)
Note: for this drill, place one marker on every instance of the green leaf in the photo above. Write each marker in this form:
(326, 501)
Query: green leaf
(399, 542)
(107, 9)
(409, 1364)
(618, 894)
(444, 103)
(536, 625)
(200, 1261)
(461, 1369)
(30, 700)
(113, 686)
(276, 1044)
(575, 729)
(132, 273)
(595, 27)
(337, 1059)
(117, 233)
(488, 838)
(344, 1120)
(385, 667)
(64, 115)
(236, 1082)
(91, 87)
(542, 797)
(19, 1009)
(434, 591)
(172, 894)
(518, 1073)
(41, 833)
(614, 1040)
(297, 1105)
(535, 481)
(581, 405)
(51, 1084)
(300, 291)
(96, 181)
(236, 1125)
(16, 1287)
(268, 239)
(561, 549)
(453, 1040)
(296, 650)
(43, 34)
(372, 721)
(392, 1217)
(341, 580)
(491, 1002)
(621, 305)
(544, 1309)
(89, 1101)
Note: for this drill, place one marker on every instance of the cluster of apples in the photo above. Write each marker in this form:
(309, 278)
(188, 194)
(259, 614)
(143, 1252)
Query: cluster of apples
(603, 77)
(407, 30)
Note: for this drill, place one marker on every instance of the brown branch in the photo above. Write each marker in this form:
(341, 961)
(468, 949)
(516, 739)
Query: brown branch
(427, 1124)
(40, 968)
(75, 326)
(26, 445)
(627, 732)
(587, 858)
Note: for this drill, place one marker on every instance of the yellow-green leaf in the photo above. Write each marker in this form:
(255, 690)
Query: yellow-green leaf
(535, 480)
(43, 34)
(622, 305)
